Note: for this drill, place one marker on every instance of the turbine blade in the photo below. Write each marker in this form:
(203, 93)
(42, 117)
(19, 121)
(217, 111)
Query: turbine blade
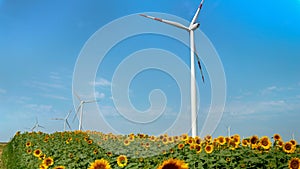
(77, 96)
(197, 13)
(57, 119)
(41, 126)
(178, 25)
(91, 101)
(77, 111)
(199, 64)
(68, 114)
(68, 125)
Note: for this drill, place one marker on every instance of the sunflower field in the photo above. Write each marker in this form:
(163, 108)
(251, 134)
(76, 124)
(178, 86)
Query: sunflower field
(94, 150)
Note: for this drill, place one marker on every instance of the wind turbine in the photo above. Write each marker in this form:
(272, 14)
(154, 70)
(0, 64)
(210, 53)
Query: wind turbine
(228, 131)
(65, 120)
(80, 109)
(191, 28)
(36, 125)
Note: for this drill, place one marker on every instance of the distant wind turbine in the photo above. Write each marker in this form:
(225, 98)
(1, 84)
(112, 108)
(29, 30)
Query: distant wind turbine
(80, 109)
(228, 131)
(65, 120)
(192, 27)
(36, 125)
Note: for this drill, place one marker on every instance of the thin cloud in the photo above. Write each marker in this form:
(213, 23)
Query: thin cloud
(39, 108)
(275, 103)
(54, 76)
(251, 108)
(276, 89)
(269, 90)
(99, 95)
(46, 86)
(101, 82)
(52, 96)
(2, 91)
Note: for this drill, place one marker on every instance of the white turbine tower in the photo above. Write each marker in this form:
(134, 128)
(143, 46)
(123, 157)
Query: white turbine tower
(65, 120)
(192, 27)
(228, 131)
(80, 109)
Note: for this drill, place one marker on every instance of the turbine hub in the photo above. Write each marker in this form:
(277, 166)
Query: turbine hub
(194, 26)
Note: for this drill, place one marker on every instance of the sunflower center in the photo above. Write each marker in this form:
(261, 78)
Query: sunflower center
(100, 166)
(265, 142)
(288, 147)
(48, 162)
(171, 166)
(122, 159)
(295, 164)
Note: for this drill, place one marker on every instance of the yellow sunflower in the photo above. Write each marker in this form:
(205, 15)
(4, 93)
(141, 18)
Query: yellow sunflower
(253, 142)
(42, 166)
(294, 163)
(59, 167)
(67, 141)
(42, 157)
(48, 161)
(37, 152)
(197, 140)
(170, 139)
(294, 142)
(28, 144)
(100, 164)
(173, 164)
(245, 142)
(184, 137)
(147, 145)
(176, 138)
(277, 137)
(152, 138)
(254, 139)
(190, 141)
(122, 161)
(198, 148)
(28, 151)
(288, 147)
(180, 146)
(265, 142)
(233, 145)
(209, 148)
(131, 138)
(192, 146)
(109, 154)
(165, 140)
(208, 138)
(95, 151)
(221, 140)
(236, 138)
(126, 142)
(280, 143)
(90, 141)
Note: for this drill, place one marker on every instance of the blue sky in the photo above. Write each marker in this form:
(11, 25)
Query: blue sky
(257, 42)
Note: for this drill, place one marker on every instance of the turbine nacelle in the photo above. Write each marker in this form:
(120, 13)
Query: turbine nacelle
(194, 26)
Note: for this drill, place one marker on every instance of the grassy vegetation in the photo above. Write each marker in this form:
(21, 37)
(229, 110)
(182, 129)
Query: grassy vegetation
(93, 149)
(1, 150)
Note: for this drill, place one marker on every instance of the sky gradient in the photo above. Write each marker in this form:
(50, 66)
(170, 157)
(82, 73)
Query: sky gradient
(258, 43)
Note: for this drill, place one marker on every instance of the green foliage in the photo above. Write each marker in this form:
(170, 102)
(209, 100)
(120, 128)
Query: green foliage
(79, 149)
